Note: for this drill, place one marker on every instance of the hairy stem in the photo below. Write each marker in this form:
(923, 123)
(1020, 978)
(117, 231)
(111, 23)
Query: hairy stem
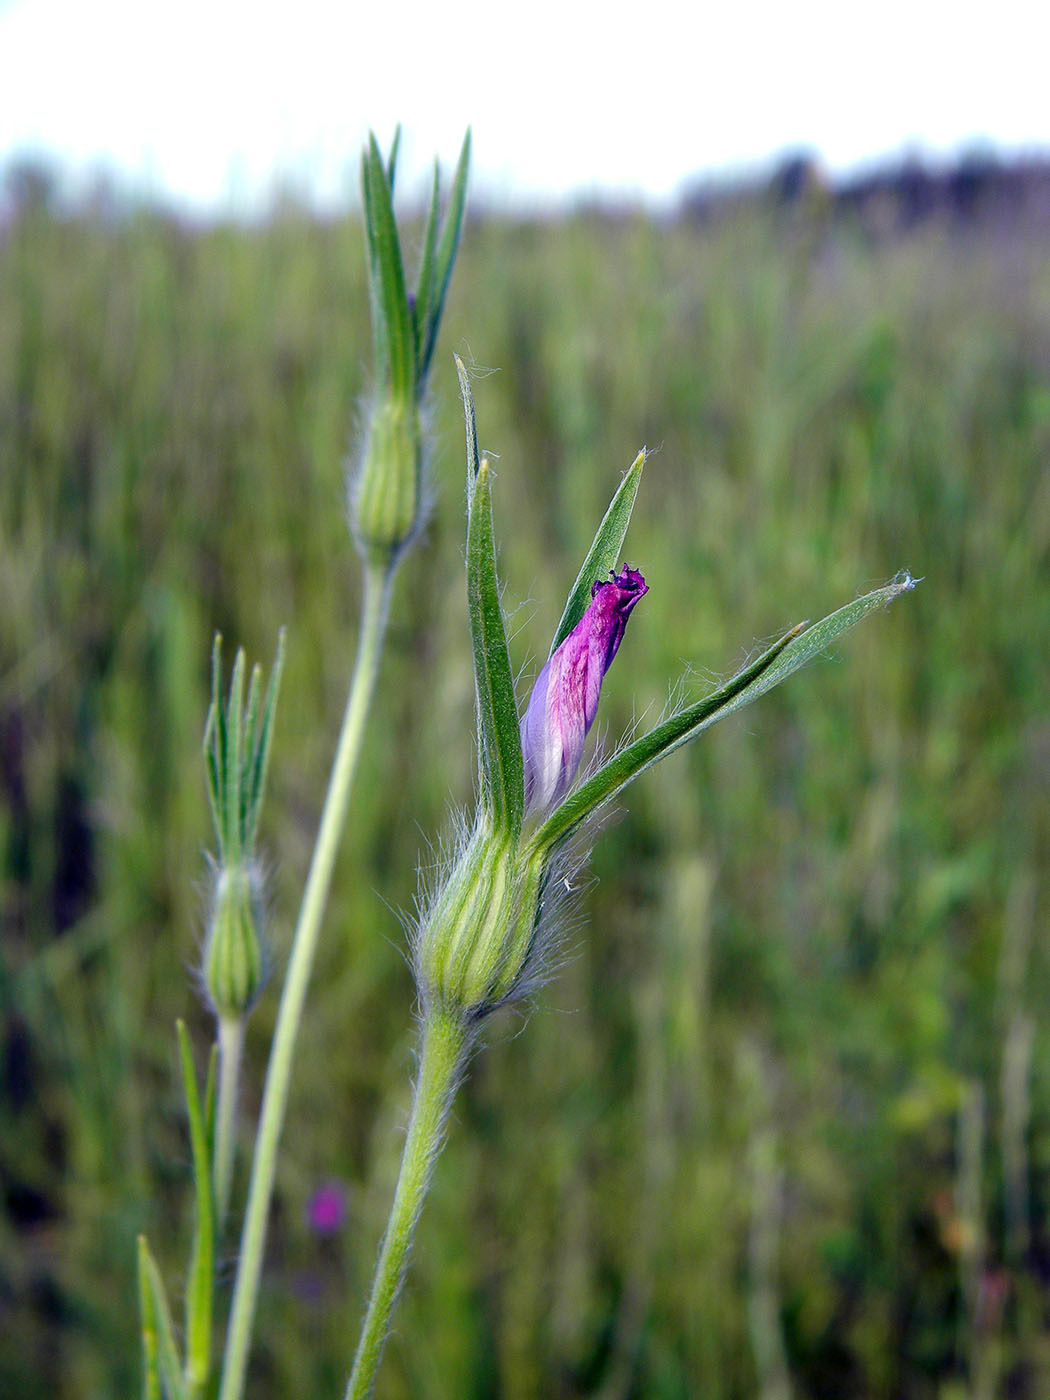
(231, 1043)
(445, 1044)
(304, 943)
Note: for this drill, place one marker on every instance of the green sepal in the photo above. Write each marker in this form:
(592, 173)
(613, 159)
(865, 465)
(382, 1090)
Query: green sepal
(201, 1276)
(392, 319)
(774, 665)
(215, 760)
(604, 553)
(391, 160)
(502, 766)
(426, 273)
(258, 739)
(471, 424)
(436, 269)
(162, 1373)
(231, 848)
(237, 742)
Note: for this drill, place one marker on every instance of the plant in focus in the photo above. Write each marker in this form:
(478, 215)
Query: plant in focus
(490, 918)
(487, 928)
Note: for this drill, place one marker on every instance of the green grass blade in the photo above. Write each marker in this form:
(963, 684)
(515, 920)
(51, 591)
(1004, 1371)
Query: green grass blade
(201, 1278)
(774, 665)
(446, 256)
(162, 1373)
(604, 553)
(503, 779)
(391, 302)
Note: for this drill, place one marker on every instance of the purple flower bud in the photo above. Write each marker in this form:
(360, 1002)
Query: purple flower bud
(564, 699)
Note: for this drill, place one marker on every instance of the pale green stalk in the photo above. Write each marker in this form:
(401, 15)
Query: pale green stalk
(445, 1043)
(231, 1044)
(275, 1094)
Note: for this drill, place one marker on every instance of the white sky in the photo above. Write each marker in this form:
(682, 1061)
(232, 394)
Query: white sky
(207, 102)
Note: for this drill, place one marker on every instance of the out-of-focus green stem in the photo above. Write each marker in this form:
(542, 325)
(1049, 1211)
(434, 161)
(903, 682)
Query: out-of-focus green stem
(445, 1042)
(231, 1043)
(275, 1093)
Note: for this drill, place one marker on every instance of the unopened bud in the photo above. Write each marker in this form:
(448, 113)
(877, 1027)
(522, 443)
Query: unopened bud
(234, 965)
(474, 946)
(386, 494)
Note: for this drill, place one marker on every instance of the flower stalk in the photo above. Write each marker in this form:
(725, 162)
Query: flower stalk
(443, 1054)
(293, 995)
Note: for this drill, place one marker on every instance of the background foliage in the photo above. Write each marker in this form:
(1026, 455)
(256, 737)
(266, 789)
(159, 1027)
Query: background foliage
(781, 1124)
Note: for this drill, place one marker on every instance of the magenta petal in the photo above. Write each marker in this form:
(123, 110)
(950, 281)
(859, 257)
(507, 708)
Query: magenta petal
(564, 699)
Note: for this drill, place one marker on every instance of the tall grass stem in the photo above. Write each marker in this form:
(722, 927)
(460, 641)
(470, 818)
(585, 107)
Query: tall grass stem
(374, 612)
(445, 1044)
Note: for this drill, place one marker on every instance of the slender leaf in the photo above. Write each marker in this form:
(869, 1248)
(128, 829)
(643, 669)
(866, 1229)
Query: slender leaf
(210, 1096)
(148, 1320)
(162, 1374)
(503, 779)
(201, 1278)
(446, 257)
(391, 301)
(785, 656)
(604, 552)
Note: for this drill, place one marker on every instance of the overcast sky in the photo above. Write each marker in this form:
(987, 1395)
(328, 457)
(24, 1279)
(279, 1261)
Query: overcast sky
(208, 103)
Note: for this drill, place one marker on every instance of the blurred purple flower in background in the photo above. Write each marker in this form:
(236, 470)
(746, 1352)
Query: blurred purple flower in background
(326, 1212)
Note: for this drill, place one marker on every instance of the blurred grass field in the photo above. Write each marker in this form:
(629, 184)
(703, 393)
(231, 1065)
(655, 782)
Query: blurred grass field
(781, 1123)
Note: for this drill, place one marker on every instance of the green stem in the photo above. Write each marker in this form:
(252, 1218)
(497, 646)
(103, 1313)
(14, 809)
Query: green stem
(275, 1092)
(445, 1043)
(231, 1043)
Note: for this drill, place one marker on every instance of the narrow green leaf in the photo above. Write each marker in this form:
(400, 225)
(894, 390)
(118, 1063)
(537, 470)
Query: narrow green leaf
(471, 422)
(210, 1096)
(785, 656)
(201, 1278)
(426, 275)
(604, 553)
(258, 754)
(392, 302)
(503, 779)
(446, 257)
(162, 1372)
(148, 1321)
